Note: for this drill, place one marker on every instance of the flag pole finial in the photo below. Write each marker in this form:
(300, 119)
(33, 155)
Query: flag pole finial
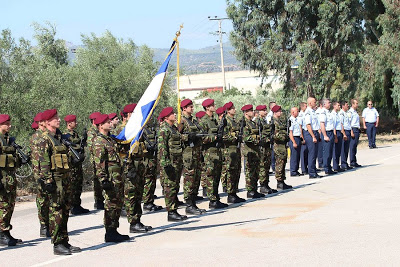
(178, 33)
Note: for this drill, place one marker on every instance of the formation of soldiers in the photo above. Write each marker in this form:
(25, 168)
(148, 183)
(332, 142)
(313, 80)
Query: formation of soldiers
(205, 149)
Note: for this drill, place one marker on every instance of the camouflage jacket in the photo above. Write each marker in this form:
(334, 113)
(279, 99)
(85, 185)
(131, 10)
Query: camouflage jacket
(150, 134)
(265, 132)
(91, 134)
(251, 135)
(169, 144)
(33, 142)
(191, 125)
(105, 156)
(231, 131)
(280, 134)
(210, 126)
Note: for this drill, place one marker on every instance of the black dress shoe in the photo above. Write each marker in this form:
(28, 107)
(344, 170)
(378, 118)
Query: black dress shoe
(151, 207)
(60, 249)
(254, 194)
(174, 216)
(233, 198)
(217, 205)
(113, 236)
(330, 172)
(139, 228)
(296, 174)
(283, 186)
(265, 189)
(314, 176)
(339, 170)
(78, 210)
(304, 173)
(71, 248)
(356, 165)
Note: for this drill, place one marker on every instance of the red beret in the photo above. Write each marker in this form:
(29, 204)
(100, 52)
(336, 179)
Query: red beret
(275, 108)
(261, 107)
(186, 102)
(101, 119)
(4, 118)
(48, 114)
(129, 108)
(247, 107)
(70, 118)
(220, 110)
(94, 115)
(208, 102)
(34, 125)
(121, 113)
(200, 114)
(38, 117)
(228, 105)
(112, 115)
(165, 112)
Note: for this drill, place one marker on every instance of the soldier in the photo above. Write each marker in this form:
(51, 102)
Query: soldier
(345, 117)
(108, 171)
(320, 148)
(337, 148)
(114, 120)
(55, 177)
(296, 137)
(9, 161)
(355, 133)
(34, 126)
(251, 150)
(265, 149)
(212, 154)
(327, 125)
(199, 116)
(280, 140)
(170, 158)
(269, 119)
(76, 170)
(220, 113)
(91, 133)
(231, 152)
(304, 150)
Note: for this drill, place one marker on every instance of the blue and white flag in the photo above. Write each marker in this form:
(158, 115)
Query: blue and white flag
(145, 107)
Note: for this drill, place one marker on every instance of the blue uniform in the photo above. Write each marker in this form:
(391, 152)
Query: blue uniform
(304, 150)
(355, 126)
(370, 116)
(320, 143)
(326, 118)
(337, 148)
(295, 127)
(310, 118)
(345, 117)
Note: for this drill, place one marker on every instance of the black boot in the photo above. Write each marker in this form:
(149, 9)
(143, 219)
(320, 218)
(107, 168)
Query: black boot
(233, 198)
(123, 213)
(282, 186)
(204, 191)
(113, 236)
(174, 216)
(44, 231)
(199, 198)
(254, 194)
(151, 207)
(99, 205)
(18, 241)
(78, 210)
(224, 189)
(71, 248)
(5, 240)
(265, 189)
(217, 205)
(139, 227)
(60, 249)
(192, 208)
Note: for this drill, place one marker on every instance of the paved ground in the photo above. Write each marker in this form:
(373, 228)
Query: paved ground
(347, 219)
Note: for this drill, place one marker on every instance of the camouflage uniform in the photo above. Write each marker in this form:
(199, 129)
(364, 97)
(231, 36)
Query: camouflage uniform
(42, 197)
(9, 161)
(54, 168)
(98, 192)
(108, 169)
(150, 163)
(170, 154)
(191, 158)
(212, 157)
(265, 151)
(232, 155)
(251, 150)
(280, 140)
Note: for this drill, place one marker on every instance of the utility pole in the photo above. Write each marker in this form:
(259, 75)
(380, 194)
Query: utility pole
(220, 32)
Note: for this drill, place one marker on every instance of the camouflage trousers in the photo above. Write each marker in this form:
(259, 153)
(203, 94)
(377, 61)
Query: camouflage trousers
(265, 164)
(76, 185)
(281, 158)
(191, 172)
(232, 165)
(113, 198)
(43, 205)
(203, 176)
(150, 178)
(212, 169)
(133, 191)
(59, 207)
(97, 189)
(7, 199)
(171, 184)
(252, 157)
(224, 170)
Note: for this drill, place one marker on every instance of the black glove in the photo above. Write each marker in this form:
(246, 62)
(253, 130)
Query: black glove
(106, 185)
(192, 137)
(1, 186)
(170, 171)
(131, 174)
(49, 187)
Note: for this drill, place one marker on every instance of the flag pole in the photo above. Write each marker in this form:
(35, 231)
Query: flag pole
(178, 33)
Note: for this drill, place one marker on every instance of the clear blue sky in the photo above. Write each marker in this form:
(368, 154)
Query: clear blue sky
(153, 23)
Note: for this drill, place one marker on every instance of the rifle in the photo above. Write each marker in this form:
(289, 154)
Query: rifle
(69, 145)
(260, 128)
(24, 158)
(152, 146)
(220, 131)
(240, 135)
(84, 140)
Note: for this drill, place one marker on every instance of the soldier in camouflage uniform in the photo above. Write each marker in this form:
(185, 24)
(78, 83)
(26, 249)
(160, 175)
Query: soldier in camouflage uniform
(109, 173)
(265, 150)
(9, 161)
(251, 150)
(220, 113)
(191, 157)
(91, 134)
(280, 136)
(76, 167)
(170, 158)
(54, 177)
(212, 154)
(232, 154)
(199, 116)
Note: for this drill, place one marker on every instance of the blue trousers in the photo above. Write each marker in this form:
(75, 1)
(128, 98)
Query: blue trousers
(304, 158)
(371, 133)
(353, 146)
(321, 153)
(295, 155)
(327, 152)
(312, 152)
(345, 150)
(337, 149)
(272, 158)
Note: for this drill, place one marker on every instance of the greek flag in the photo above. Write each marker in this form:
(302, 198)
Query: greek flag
(145, 107)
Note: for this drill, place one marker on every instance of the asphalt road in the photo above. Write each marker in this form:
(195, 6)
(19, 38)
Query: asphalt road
(348, 219)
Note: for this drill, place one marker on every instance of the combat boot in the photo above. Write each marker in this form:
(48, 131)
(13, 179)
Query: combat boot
(71, 248)
(254, 194)
(151, 207)
(282, 186)
(44, 231)
(204, 191)
(78, 210)
(265, 189)
(139, 227)
(233, 198)
(216, 204)
(192, 208)
(8, 234)
(60, 249)
(5, 240)
(199, 198)
(99, 205)
(174, 216)
(112, 235)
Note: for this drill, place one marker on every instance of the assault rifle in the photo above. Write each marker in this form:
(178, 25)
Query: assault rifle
(68, 144)
(220, 131)
(24, 158)
(152, 146)
(240, 135)
(84, 140)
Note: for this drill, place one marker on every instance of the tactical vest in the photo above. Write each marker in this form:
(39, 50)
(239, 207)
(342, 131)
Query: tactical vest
(59, 155)
(175, 142)
(253, 128)
(280, 134)
(8, 157)
(193, 127)
(234, 128)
